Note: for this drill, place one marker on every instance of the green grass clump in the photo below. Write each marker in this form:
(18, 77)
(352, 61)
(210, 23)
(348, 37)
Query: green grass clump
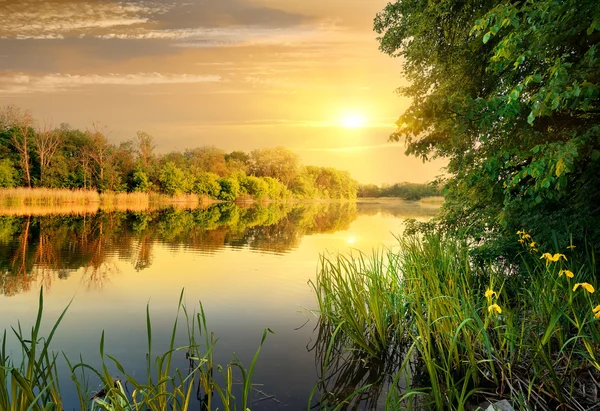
(33, 384)
(527, 333)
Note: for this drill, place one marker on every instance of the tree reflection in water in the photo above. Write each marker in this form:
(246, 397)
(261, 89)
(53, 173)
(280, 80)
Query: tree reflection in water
(46, 248)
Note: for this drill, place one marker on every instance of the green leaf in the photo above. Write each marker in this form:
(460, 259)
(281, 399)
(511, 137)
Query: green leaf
(486, 38)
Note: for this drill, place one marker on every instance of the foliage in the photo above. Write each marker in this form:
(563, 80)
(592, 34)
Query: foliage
(279, 163)
(406, 191)
(208, 184)
(332, 183)
(509, 93)
(141, 181)
(172, 179)
(230, 188)
(532, 338)
(255, 186)
(7, 174)
(63, 157)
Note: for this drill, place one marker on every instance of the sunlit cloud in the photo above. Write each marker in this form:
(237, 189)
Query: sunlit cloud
(145, 20)
(239, 36)
(55, 20)
(21, 83)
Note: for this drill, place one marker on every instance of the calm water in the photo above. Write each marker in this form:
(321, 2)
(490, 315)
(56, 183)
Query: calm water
(248, 266)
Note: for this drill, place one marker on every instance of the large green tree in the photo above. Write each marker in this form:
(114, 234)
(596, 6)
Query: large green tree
(509, 93)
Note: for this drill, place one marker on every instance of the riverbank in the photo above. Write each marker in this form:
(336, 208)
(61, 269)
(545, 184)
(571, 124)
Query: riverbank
(469, 333)
(41, 201)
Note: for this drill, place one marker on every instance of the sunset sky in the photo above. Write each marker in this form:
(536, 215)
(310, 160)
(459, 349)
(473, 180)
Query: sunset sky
(236, 74)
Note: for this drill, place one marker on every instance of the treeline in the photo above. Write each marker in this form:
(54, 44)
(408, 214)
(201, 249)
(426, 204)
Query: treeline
(34, 155)
(406, 191)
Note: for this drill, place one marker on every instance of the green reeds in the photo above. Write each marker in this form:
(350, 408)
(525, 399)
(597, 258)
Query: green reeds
(33, 384)
(361, 294)
(479, 332)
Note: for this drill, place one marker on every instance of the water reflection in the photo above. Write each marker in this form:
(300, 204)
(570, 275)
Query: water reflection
(43, 248)
(350, 379)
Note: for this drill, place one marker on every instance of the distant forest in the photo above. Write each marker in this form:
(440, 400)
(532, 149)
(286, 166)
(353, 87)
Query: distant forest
(34, 155)
(406, 191)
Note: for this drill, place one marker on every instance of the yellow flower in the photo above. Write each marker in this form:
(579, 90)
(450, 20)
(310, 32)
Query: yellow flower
(532, 244)
(490, 293)
(568, 273)
(557, 257)
(520, 232)
(570, 247)
(526, 236)
(552, 258)
(495, 307)
(596, 311)
(587, 286)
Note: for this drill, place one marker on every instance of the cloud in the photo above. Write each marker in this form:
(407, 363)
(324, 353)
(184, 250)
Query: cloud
(59, 19)
(21, 83)
(214, 22)
(238, 36)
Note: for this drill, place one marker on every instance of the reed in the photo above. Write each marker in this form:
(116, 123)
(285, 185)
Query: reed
(19, 197)
(478, 331)
(33, 384)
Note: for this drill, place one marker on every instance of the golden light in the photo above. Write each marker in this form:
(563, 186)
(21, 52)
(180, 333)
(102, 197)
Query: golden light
(351, 240)
(353, 121)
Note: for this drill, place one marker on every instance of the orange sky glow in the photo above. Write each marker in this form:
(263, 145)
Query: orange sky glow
(236, 74)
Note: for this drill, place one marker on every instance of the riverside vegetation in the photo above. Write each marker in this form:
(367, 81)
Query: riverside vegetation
(496, 297)
(457, 334)
(42, 156)
(34, 383)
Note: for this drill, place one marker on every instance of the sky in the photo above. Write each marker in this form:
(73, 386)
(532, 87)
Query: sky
(235, 74)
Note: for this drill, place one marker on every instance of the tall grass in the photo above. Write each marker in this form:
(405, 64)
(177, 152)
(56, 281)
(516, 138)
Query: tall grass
(33, 383)
(44, 201)
(20, 197)
(480, 332)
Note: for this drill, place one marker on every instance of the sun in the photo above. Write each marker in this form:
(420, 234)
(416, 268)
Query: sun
(353, 121)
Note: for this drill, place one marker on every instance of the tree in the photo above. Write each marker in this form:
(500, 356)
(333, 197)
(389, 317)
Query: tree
(207, 184)
(141, 182)
(230, 188)
(7, 174)
(46, 142)
(238, 161)
(207, 159)
(173, 180)
(279, 163)
(99, 152)
(145, 149)
(20, 124)
(509, 93)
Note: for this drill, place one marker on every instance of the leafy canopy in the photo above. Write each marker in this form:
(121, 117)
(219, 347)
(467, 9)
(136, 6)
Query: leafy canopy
(509, 93)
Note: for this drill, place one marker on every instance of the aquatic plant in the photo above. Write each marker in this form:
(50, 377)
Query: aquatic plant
(478, 331)
(33, 383)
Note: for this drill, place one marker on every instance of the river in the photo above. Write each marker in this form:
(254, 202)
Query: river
(249, 266)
